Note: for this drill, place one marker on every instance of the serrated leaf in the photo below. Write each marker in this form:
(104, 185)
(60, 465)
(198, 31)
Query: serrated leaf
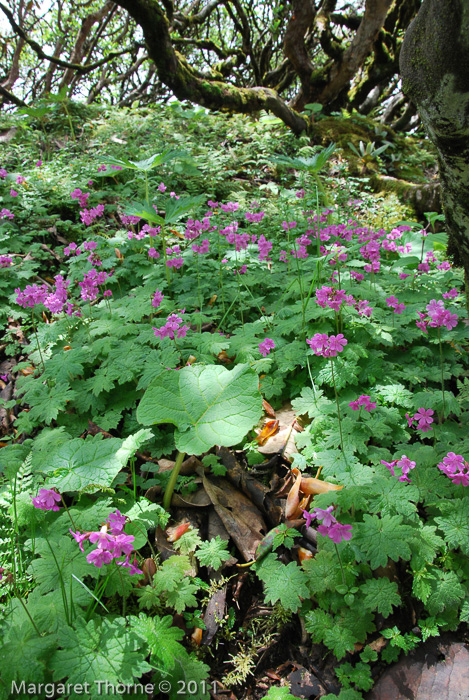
(162, 639)
(97, 650)
(209, 405)
(380, 594)
(213, 552)
(284, 583)
(378, 539)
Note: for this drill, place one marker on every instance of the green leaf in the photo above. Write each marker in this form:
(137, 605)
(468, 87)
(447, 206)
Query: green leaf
(213, 553)
(90, 464)
(279, 693)
(24, 654)
(209, 405)
(99, 650)
(162, 639)
(378, 539)
(455, 524)
(447, 592)
(70, 560)
(284, 583)
(380, 594)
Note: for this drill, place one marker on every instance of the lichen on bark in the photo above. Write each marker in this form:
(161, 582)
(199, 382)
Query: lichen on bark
(435, 74)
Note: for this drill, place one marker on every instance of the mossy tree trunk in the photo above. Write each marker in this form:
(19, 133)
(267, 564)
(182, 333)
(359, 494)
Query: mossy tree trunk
(435, 73)
(188, 83)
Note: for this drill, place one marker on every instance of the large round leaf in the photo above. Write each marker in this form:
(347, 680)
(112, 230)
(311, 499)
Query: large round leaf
(208, 405)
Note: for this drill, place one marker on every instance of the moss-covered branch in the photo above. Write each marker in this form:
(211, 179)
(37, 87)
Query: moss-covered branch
(187, 84)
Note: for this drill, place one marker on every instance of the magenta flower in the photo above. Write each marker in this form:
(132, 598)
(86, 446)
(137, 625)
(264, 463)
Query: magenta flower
(47, 499)
(157, 299)
(424, 419)
(337, 532)
(80, 538)
(456, 468)
(99, 557)
(13, 193)
(153, 253)
(116, 522)
(325, 515)
(451, 294)
(266, 346)
(362, 400)
(172, 328)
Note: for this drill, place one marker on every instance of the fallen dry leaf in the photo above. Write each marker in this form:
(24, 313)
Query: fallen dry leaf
(269, 429)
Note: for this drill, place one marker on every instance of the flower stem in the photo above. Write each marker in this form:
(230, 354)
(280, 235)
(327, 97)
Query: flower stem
(338, 409)
(68, 513)
(172, 480)
(442, 377)
(340, 562)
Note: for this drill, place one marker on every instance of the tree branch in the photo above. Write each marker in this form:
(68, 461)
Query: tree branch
(37, 48)
(174, 71)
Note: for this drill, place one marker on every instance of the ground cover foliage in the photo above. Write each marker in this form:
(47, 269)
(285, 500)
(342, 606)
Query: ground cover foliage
(161, 276)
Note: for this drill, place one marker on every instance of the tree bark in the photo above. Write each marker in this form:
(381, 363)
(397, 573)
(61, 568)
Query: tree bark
(187, 84)
(435, 73)
(355, 55)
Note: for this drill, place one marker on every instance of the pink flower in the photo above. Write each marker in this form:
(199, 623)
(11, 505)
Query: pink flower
(153, 253)
(47, 499)
(13, 193)
(456, 468)
(336, 344)
(80, 538)
(266, 346)
(116, 522)
(362, 400)
(325, 515)
(424, 419)
(338, 532)
(20, 180)
(157, 299)
(99, 557)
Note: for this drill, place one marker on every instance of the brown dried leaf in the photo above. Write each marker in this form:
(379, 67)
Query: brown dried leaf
(269, 429)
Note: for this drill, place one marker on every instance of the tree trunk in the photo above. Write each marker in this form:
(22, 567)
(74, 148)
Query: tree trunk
(435, 74)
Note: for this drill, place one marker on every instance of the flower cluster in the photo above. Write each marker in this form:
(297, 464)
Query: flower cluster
(330, 526)
(6, 214)
(72, 249)
(81, 196)
(172, 328)
(32, 295)
(112, 543)
(266, 346)
(89, 215)
(201, 249)
(456, 468)
(393, 303)
(264, 247)
(436, 316)
(423, 417)
(404, 464)
(6, 261)
(333, 298)
(47, 499)
(327, 346)
(157, 299)
(362, 400)
(175, 260)
(90, 284)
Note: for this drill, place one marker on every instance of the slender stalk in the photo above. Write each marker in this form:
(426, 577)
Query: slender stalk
(37, 341)
(172, 480)
(25, 608)
(338, 409)
(340, 562)
(442, 377)
(198, 294)
(68, 513)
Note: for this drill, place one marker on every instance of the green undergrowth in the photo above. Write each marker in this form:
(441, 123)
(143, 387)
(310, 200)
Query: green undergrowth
(117, 359)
